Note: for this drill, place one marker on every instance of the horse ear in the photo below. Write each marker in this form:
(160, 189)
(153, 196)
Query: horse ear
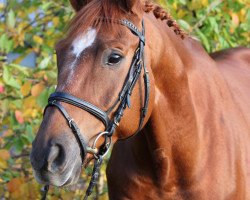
(128, 5)
(78, 4)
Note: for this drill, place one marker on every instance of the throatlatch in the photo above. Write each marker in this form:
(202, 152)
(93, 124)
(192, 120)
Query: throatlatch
(137, 64)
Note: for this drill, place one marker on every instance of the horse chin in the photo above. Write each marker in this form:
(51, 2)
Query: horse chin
(59, 179)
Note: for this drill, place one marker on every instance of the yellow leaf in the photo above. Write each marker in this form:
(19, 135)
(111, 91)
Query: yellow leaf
(204, 2)
(4, 154)
(1, 180)
(38, 39)
(242, 15)
(29, 102)
(21, 38)
(3, 164)
(55, 21)
(195, 4)
(39, 74)
(181, 13)
(34, 113)
(21, 26)
(37, 89)
(175, 6)
(235, 19)
(28, 113)
(25, 89)
(14, 184)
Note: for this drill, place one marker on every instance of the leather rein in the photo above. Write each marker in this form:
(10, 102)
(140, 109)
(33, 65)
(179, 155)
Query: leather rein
(123, 101)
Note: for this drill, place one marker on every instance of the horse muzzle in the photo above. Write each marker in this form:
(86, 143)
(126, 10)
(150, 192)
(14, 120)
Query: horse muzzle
(58, 164)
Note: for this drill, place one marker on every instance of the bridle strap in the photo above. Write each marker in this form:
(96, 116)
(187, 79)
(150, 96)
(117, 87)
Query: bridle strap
(70, 99)
(136, 67)
(134, 29)
(75, 129)
(144, 109)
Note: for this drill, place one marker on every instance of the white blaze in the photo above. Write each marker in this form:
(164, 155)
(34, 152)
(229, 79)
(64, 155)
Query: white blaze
(83, 41)
(80, 43)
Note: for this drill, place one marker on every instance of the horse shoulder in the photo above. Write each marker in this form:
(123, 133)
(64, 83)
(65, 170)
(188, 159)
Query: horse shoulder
(234, 65)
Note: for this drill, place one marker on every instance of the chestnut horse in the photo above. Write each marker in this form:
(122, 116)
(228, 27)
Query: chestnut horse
(195, 139)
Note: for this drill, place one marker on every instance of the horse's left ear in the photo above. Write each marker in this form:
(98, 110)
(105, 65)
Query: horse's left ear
(78, 4)
(129, 5)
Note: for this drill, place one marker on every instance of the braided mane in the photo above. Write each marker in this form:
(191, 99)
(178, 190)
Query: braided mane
(161, 13)
(97, 9)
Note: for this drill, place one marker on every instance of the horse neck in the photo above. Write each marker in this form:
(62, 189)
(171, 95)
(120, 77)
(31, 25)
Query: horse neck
(171, 134)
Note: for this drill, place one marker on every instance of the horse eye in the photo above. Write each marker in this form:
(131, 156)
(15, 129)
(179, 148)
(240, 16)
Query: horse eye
(114, 59)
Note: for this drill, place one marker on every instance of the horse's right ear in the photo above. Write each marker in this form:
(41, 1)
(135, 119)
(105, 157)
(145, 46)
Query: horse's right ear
(78, 4)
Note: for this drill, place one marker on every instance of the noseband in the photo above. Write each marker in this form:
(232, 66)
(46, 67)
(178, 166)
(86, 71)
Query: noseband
(123, 101)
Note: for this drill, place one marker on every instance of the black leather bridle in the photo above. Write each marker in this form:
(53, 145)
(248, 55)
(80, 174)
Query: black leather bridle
(123, 101)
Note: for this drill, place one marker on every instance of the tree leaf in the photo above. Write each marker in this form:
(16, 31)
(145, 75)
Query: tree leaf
(26, 88)
(9, 79)
(38, 39)
(11, 19)
(4, 154)
(15, 184)
(19, 117)
(37, 89)
(45, 62)
(42, 100)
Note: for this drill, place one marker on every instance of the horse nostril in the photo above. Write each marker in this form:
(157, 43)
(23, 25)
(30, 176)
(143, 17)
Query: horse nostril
(56, 158)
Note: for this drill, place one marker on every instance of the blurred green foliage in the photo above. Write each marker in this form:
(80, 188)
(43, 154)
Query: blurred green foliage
(218, 24)
(35, 26)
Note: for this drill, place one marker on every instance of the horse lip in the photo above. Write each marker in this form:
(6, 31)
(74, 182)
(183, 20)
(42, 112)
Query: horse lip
(67, 177)
(46, 180)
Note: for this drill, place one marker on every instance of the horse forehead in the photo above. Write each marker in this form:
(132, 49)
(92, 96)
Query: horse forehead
(83, 41)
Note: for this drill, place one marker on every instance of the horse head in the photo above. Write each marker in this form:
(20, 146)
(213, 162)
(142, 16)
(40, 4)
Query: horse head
(97, 81)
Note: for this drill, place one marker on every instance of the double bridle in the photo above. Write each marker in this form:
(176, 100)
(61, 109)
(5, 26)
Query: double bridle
(123, 101)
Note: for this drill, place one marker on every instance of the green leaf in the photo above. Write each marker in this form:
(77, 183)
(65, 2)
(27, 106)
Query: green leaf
(45, 62)
(184, 24)
(29, 133)
(18, 103)
(46, 5)
(203, 39)
(52, 75)
(43, 98)
(9, 79)
(18, 145)
(3, 40)
(11, 19)
(6, 44)
(20, 68)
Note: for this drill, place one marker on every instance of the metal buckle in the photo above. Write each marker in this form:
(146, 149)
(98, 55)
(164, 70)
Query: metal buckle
(139, 62)
(53, 102)
(70, 122)
(116, 122)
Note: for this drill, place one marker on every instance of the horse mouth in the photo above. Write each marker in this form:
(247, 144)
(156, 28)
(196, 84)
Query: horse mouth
(67, 178)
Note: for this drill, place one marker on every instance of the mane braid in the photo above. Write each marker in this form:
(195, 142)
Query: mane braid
(161, 13)
(96, 11)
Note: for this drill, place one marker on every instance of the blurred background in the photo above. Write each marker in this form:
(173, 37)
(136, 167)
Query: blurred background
(28, 74)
